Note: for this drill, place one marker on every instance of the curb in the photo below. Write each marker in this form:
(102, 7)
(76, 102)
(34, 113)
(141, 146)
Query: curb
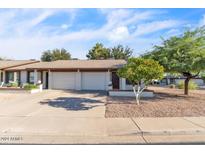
(171, 132)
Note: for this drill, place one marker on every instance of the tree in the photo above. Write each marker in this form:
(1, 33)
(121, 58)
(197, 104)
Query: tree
(120, 52)
(98, 52)
(56, 54)
(184, 54)
(138, 71)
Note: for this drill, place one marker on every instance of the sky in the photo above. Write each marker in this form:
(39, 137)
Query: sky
(26, 33)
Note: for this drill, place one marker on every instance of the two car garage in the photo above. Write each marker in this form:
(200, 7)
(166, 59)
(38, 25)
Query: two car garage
(84, 80)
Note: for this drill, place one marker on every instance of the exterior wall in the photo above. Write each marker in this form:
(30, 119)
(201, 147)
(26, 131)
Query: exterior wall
(44, 79)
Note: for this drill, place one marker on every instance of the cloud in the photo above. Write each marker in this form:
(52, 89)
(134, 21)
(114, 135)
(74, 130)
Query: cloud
(25, 34)
(64, 26)
(173, 32)
(202, 21)
(120, 33)
(154, 26)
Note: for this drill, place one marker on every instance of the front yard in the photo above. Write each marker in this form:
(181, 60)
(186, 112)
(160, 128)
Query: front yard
(166, 103)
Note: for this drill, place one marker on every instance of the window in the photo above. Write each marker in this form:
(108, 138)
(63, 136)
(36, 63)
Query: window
(128, 82)
(31, 77)
(9, 76)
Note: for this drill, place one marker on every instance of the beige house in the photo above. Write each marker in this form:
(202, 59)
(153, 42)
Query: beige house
(66, 74)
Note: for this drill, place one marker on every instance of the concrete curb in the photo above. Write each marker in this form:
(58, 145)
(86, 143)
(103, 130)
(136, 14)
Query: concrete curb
(177, 132)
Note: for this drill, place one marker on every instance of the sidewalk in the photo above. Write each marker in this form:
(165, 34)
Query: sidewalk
(64, 130)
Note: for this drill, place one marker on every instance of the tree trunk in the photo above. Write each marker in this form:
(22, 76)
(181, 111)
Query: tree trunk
(136, 95)
(186, 86)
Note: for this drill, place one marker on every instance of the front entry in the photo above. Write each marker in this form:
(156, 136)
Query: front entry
(115, 81)
(46, 80)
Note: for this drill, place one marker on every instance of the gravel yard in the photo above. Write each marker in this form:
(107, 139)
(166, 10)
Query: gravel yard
(166, 103)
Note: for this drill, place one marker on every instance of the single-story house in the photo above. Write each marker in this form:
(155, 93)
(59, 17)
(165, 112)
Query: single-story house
(66, 74)
(6, 76)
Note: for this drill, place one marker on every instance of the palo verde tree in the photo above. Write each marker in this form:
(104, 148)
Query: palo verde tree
(184, 54)
(138, 71)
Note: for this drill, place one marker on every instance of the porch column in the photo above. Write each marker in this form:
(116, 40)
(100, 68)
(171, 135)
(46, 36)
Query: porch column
(4, 76)
(108, 79)
(15, 76)
(35, 76)
(49, 80)
(123, 83)
(78, 80)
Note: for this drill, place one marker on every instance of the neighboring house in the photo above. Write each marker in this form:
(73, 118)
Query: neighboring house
(70, 74)
(6, 76)
(176, 80)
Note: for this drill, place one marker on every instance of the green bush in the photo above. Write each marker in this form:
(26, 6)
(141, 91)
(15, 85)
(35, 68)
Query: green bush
(192, 85)
(30, 86)
(12, 84)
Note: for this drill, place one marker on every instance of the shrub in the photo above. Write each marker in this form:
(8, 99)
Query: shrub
(12, 84)
(30, 86)
(172, 86)
(192, 85)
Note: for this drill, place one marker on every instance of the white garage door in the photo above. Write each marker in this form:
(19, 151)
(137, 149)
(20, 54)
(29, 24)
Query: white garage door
(63, 80)
(94, 81)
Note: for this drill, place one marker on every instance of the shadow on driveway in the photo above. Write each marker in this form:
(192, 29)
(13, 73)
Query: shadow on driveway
(73, 103)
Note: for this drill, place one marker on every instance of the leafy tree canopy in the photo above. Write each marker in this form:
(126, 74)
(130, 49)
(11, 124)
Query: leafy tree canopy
(138, 70)
(120, 52)
(98, 52)
(56, 54)
(117, 52)
(184, 54)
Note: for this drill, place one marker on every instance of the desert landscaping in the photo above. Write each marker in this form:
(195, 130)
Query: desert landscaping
(166, 103)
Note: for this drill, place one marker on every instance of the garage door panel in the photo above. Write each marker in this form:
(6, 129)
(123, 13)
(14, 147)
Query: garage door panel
(93, 81)
(63, 80)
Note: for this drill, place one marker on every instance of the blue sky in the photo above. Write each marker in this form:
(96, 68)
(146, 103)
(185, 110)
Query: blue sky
(26, 33)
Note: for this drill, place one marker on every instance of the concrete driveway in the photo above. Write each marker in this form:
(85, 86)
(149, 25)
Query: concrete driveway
(53, 103)
(60, 117)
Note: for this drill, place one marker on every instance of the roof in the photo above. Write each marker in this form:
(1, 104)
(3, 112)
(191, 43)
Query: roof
(14, 63)
(74, 64)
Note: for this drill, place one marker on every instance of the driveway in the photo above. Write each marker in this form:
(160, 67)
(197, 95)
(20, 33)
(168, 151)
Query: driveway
(53, 103)
(61, 117)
